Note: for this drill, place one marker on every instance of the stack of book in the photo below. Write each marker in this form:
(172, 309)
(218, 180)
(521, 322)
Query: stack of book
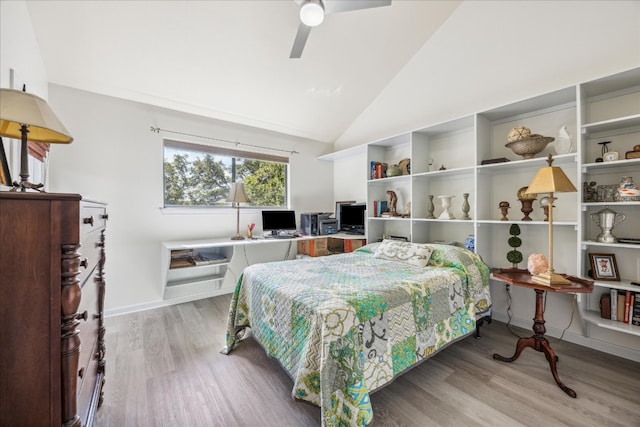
(181, 258)
(379, 207)
(208, 258)
(625, 306)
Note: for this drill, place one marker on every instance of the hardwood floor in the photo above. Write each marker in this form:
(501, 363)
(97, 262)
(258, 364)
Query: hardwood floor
(164, 368)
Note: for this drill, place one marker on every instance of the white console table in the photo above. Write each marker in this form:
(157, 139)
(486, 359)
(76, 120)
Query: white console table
(182, 284)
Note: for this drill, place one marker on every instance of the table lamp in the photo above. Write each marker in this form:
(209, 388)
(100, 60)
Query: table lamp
(237, 195)
(25, 116)
(550, 179)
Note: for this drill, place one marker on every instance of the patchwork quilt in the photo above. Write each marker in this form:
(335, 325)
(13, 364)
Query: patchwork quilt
(345, 325)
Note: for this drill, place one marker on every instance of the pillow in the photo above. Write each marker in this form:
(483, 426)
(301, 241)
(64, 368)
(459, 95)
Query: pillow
(412, 253)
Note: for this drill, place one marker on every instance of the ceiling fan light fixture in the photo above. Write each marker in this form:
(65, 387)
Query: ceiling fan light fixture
(312, 13)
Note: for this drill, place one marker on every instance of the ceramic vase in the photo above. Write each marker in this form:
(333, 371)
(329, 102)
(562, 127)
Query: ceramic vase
(430, 208)
(446, 205)
(465, 207)
(470, 243)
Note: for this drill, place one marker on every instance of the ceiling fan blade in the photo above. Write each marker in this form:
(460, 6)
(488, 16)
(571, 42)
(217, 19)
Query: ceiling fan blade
(337, 6)
(300, 41)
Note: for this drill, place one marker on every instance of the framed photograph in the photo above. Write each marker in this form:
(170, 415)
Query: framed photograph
(604, 267)
(5, 174)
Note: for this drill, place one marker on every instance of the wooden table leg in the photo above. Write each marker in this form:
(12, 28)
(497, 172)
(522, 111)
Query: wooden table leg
(539, 343)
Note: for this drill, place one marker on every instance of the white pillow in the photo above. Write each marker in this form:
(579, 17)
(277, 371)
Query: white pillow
(412, 253)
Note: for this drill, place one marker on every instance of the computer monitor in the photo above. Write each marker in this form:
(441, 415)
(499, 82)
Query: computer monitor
(352, 217)
(278, 220)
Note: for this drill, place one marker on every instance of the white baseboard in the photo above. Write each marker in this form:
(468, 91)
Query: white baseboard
(150, 305)
(616, 350)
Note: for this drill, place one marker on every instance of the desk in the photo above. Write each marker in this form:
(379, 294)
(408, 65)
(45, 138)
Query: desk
(191, 282)
(538, 341)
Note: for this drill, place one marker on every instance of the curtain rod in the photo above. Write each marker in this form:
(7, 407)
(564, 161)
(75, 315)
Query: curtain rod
(236, 143)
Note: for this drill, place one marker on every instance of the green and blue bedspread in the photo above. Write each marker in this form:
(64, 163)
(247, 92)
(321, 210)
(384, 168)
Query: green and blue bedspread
(345, 325)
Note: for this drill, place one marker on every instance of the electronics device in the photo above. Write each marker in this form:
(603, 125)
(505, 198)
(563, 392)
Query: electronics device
(327, 226)
(310, 222)
(281, 223)
(352, 217)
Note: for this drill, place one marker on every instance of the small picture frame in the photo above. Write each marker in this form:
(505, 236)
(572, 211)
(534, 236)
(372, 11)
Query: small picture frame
(604, 267)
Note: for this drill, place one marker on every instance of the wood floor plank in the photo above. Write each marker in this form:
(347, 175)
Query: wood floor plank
(164, 368)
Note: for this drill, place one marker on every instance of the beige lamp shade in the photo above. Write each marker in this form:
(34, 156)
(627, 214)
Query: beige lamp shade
(237, 194)
(19, 108)
(550, 179)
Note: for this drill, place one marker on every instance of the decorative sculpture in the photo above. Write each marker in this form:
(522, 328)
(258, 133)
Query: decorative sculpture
(514, 256)
(446, 204)
(465, 206)
(430, 208)
(527, 203)
(504, 209)
(393, 201)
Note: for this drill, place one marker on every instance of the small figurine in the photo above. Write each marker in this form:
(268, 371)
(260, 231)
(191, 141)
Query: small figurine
(407, 211)
(393, 201)
(405, 166)
(504, 209)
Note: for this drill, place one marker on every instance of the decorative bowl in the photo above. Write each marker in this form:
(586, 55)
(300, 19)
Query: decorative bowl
(529, 147)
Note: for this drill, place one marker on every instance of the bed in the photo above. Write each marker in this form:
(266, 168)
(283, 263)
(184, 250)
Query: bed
(343, 326)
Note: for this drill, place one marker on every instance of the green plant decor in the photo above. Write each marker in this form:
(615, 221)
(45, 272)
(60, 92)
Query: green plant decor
(514, 256)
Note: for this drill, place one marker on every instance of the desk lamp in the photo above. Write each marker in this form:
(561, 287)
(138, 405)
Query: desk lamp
(237, 195)
(25, 116)
(550, 179)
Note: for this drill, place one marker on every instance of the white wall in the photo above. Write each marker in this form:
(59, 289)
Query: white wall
(19, 52)
(19, 49)
(490, 53)
(115, 158)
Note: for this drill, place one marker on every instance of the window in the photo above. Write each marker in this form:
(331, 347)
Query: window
(200, 176)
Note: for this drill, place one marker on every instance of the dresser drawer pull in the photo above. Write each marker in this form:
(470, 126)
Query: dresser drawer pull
(88, 220)
(84, 315)
(105, 217)
(99, 244)
(81, 372)
(96, 316)
(84, 263)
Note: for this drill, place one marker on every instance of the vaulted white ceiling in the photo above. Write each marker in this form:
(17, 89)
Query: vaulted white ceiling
(229, 60)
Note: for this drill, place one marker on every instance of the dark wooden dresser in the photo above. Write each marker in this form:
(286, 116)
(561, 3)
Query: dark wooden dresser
(52, 284)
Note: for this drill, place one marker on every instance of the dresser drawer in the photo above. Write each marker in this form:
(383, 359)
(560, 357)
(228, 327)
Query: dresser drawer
(90, 254)
(93, 217)
(88, 328)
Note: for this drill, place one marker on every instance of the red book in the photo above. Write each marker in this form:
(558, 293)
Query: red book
(627, 305)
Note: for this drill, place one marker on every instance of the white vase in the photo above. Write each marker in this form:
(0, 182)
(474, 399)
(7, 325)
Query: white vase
(446, 205)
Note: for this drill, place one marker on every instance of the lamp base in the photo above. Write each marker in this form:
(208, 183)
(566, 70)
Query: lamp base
(238, 236)
(549, 278)
(26, 185)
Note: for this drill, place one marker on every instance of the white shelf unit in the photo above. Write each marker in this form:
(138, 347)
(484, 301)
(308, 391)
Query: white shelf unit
(197, 281)
(602, 109)
(609, 110)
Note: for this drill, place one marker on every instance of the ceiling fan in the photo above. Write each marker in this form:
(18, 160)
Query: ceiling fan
(312, 13)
